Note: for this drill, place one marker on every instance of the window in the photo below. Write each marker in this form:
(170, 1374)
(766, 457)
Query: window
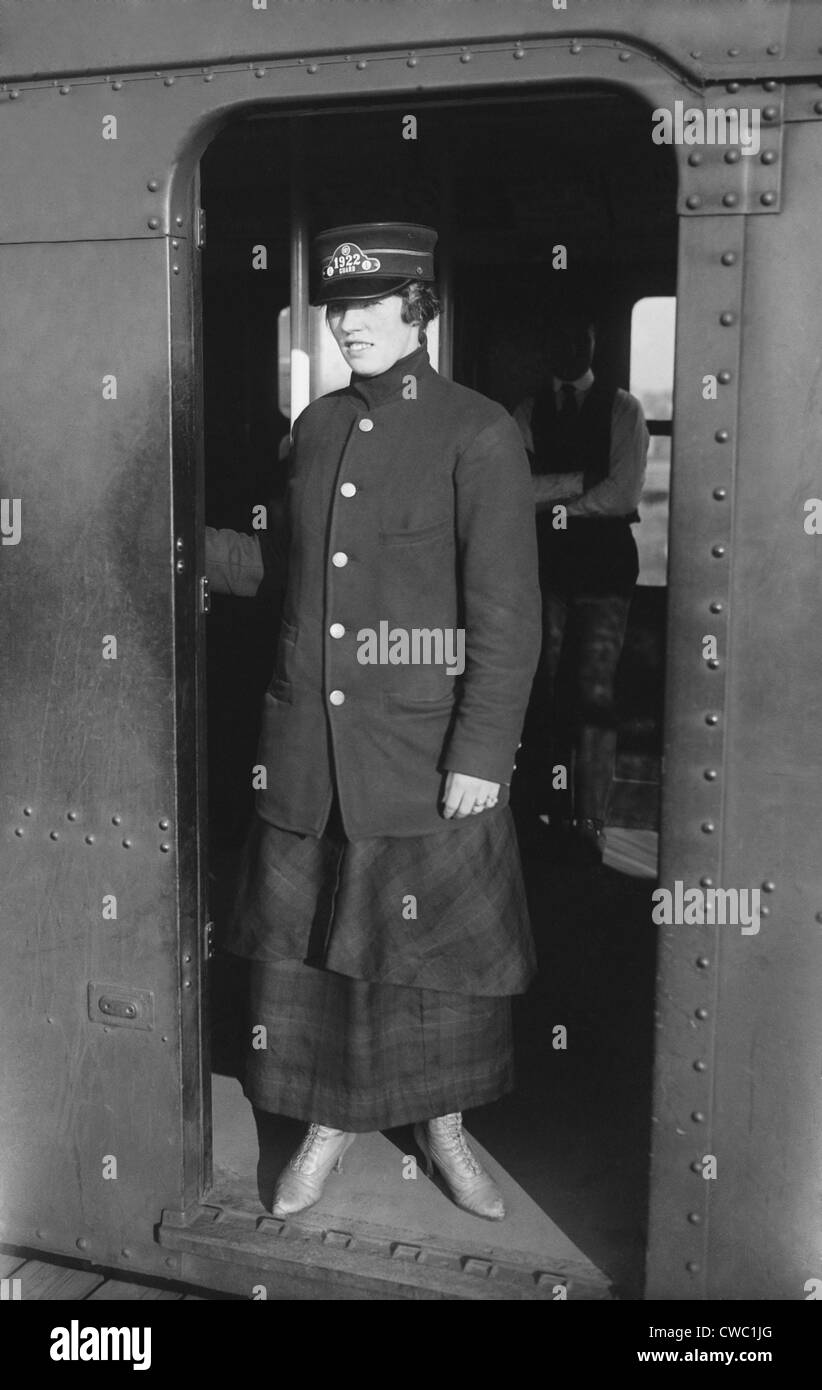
(652, 382)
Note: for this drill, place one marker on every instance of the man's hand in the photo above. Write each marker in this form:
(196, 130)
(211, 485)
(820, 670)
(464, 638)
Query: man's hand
(466, 796)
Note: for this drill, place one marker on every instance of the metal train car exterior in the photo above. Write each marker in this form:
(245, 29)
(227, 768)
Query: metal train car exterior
(105, 115)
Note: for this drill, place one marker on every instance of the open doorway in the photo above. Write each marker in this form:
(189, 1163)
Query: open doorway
(505, 181)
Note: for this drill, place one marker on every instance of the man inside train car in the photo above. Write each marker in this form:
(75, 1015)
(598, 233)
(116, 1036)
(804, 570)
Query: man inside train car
(380, 895)
(587, 444)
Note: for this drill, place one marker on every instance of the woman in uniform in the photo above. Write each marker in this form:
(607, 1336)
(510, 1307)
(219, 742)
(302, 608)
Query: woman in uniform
(380, 895)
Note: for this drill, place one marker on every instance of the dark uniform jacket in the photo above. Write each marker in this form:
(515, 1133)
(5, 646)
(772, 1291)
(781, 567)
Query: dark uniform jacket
(410, 504)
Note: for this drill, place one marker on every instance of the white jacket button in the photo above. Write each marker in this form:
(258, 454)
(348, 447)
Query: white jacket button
(348, 490)
(339, 558)
(365, 425)
(337, 630)
(336, 697)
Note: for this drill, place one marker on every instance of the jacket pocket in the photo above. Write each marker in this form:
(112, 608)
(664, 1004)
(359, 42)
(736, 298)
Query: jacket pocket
(399, 702)
(426, 533)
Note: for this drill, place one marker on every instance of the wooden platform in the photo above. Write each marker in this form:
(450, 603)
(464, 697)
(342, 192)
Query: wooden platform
(36, 1280)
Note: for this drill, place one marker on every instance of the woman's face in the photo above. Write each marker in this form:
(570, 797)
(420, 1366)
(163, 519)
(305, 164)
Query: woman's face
(371, 334)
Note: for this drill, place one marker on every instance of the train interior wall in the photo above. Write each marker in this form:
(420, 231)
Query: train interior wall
(505, 182)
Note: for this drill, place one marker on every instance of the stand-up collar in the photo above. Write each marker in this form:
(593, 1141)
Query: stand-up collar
(375, 390)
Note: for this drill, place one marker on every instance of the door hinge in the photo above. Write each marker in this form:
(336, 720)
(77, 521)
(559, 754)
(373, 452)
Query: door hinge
(208, 941)
(205, 596)
(200, 229)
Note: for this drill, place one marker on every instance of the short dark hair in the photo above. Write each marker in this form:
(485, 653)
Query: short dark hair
(420, 304)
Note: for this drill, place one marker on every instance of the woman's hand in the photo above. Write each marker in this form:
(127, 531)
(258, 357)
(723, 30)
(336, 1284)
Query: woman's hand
(466, 796)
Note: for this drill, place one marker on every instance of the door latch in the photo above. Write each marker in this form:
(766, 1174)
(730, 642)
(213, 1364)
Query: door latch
(120, 1006)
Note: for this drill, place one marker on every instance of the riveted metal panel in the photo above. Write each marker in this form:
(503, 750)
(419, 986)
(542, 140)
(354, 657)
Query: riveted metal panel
(722, 177)
(765, 1234)
(88, 791)
(709, 299)
(715, 38)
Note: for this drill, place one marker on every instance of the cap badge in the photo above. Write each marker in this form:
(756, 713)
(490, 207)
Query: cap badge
(349, 259)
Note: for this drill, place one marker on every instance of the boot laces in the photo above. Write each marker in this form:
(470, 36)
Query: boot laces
(454, 1134)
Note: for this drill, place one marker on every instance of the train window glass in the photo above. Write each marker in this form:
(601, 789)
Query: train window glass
(653, 323)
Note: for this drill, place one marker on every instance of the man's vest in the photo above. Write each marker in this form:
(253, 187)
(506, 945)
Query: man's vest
(576, 445)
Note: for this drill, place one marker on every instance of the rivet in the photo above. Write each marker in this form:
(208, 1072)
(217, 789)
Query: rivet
(721, 436)
(164, 1038)
(696, 52)
(770, 113)
(706, 881)
(64, 91)
(117, 86)
(576, 48)
(717, 551)
(713, 663)
(27, 811)
(519, 52)
(186, 984)
(696, 1166)
(180, 566)
(465, 57)
(694, 159)
(54, 835)
(724, 376)
(153, 185)
(733, 52)
(82, 1243)
(693, 200)
(703, 962)
(730, 200)
(71, 815)
(769, 156)
(411, 62)
(312, 68)
(175, 269)
(179, 544)
(729, 258)
(720, 493)
(169, 1260)
(126, 1253)
(707, 827)
(764, 911)
(817, 106)
(694, 1218)
(362, 65)
(187, 958)
(178, 221)
(260, 72)
(767, 199)
(693, 1266)
(727, 319)
(715, 607)
(699, 1065)
(13, 94)
(773, 49)
(768, 886)
(168, 81)
(163, 824)
(711, 718)
(698, 1117)
(732, 156)
(732, 87)
(126, 844)
(625, 57)
(701, 1014)
(154, 223)
(209, 77)
(39, 1235)
(18, 830)
(89, 839)
(710, 774)
(115, 820)
(49, 1019)
(175, 245)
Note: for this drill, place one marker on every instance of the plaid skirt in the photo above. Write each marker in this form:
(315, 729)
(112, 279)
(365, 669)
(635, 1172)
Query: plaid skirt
(444, 911)
(363, 1057)
(380, 970)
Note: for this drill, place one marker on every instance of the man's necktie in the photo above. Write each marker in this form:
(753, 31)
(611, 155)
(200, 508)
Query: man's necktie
(568, 409)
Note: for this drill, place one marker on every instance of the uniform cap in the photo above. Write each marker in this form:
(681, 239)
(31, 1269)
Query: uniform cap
(369, 260)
